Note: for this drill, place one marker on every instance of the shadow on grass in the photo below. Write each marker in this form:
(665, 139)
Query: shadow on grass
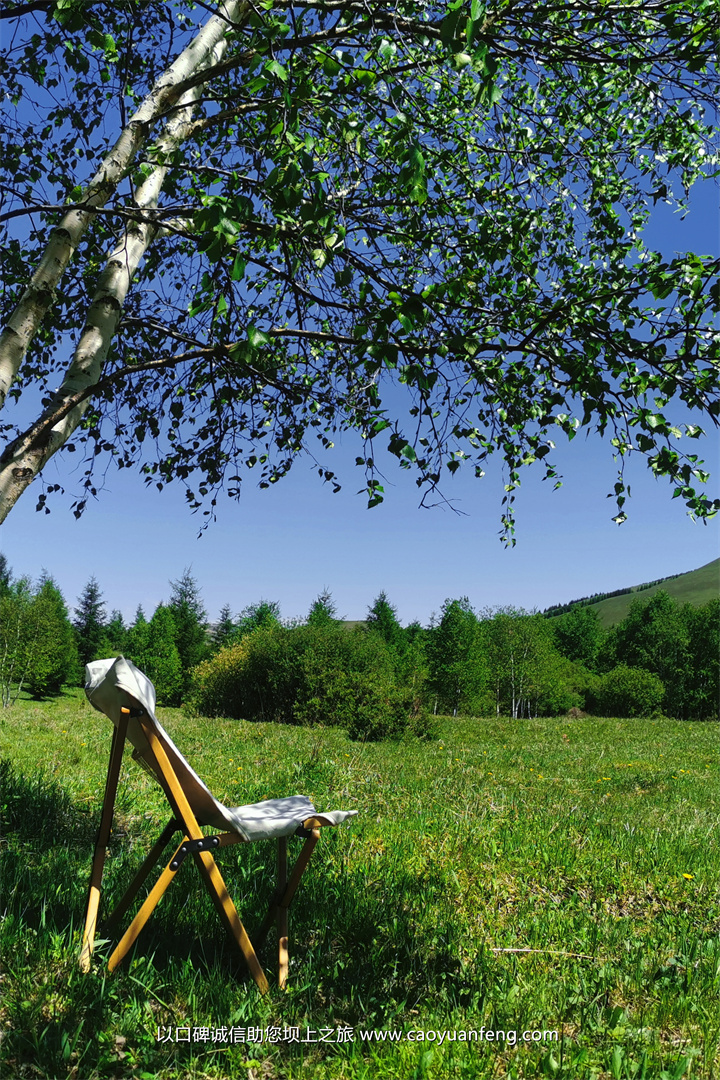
(356, 952)
(37, 808)
(357, 939)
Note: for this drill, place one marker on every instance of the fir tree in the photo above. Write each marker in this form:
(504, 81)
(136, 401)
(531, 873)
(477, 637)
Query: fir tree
(136, 644)
(190, 620)
(89, 622)
(382, 619)
(224, 629)
(162, 661)
(323, 611)
(115, 634)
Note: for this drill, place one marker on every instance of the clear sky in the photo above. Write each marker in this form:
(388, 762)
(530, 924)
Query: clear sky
(289, 542)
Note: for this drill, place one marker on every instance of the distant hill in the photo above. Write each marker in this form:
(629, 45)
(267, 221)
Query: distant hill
(694, 587)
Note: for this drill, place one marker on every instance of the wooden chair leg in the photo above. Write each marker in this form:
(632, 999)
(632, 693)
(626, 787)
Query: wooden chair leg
(282, 915)
(116, 753)
(226, 909)
(203, 859)
(133, 931)
(282, 899)
(150, 861)
(299, 868)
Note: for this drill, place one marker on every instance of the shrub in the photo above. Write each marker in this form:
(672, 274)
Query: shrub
(384, 711)
(228, 684)
(560, 685)
(306, 675)
(629, 692)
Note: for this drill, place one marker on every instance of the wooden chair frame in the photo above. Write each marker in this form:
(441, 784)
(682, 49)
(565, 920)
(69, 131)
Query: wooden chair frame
(194, 842)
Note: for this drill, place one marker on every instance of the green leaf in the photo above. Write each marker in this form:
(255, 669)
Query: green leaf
(277, 70)
(238, 268)
(449, 25)
(257, 337)
(331, 67)
(110, 48)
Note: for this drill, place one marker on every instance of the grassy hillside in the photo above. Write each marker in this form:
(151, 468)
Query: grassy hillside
(547, 876)
(696, 587)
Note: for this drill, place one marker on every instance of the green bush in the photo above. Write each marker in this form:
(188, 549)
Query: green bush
(629, 692)
(252, 679)
(308, 675)
(389, 712)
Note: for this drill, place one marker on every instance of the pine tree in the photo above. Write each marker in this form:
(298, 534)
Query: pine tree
(89, 622)
(190, 620)
(323, 611)
(382, 619)
(224, 629)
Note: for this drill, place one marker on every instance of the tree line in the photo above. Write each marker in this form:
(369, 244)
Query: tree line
(596, 598)
(379, 677)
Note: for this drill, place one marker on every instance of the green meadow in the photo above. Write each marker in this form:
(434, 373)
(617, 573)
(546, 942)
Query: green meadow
(550, 876)
(696, 587)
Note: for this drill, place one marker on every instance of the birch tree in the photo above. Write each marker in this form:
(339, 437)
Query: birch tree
(235, 229)
(456, 659)
(18, 639)
(37, 646)
(521, 658)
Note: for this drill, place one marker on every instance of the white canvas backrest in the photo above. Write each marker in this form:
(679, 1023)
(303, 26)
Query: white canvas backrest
(111, 685)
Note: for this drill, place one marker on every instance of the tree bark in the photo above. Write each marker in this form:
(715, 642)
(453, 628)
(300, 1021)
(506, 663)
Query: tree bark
(34, 303)
(24, 458)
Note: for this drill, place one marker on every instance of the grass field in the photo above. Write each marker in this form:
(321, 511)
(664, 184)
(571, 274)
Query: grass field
(556, 875)
(697, 587)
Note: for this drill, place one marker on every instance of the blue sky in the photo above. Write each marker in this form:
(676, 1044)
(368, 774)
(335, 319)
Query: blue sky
(291, 541)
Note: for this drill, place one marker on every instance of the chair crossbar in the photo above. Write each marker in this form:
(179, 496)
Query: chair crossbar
(200, 846)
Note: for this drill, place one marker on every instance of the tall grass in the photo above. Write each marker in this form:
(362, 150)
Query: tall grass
(552, 875)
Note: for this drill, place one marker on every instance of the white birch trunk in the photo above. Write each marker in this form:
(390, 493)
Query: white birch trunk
(29, 454)
(23, 324)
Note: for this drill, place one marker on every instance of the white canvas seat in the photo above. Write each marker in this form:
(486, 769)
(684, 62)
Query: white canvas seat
(120, 690)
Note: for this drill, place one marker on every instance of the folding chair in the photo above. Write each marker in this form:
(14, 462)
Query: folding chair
(121, 691)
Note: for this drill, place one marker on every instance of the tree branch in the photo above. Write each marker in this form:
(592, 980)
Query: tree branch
(37, 297)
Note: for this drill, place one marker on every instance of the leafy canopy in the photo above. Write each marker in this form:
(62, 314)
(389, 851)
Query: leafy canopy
(422, 222)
